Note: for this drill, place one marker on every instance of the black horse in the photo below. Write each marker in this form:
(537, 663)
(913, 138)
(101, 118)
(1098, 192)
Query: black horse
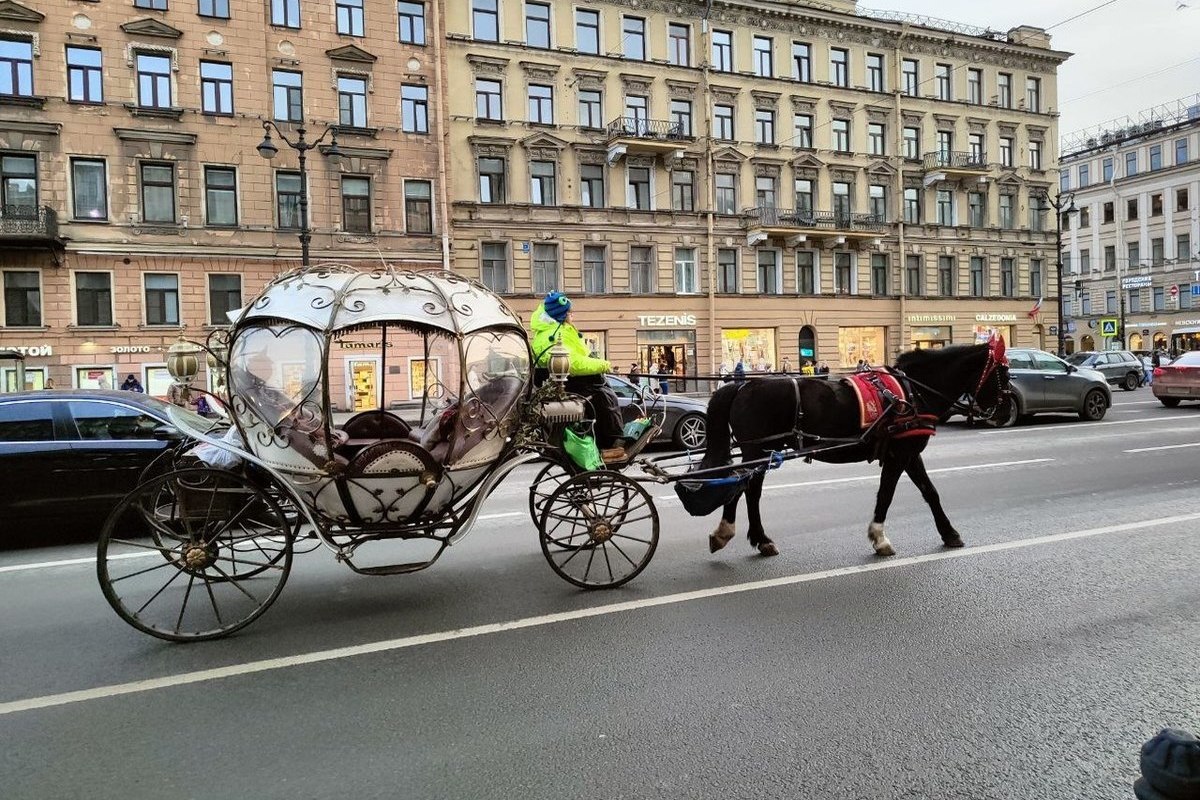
(774, 413)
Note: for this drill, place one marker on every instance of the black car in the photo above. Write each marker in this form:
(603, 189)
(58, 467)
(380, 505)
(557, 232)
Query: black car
(685, 419)
(67, 457)
(1119, 367)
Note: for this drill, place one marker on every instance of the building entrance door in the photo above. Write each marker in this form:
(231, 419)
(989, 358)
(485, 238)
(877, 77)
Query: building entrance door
(364, 383)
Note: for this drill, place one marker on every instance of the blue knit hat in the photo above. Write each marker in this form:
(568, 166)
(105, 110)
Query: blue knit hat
(557, 305)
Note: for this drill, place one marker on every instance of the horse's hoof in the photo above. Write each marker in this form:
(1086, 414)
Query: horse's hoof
(954, 541)
(768, 549)
(885, 550)
(721, 536)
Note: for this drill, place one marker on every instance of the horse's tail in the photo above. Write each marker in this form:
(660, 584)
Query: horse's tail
(717, 449)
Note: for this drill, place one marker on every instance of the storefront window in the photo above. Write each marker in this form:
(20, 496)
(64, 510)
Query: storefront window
(595, 341)
(861, 344)
(927, 336)
(158, 382)
(35, 378)
(94, 378)
(984, 332)
(754, 347)
(674, 351)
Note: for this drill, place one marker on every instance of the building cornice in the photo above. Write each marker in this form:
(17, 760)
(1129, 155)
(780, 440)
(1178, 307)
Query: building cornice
(163, 137)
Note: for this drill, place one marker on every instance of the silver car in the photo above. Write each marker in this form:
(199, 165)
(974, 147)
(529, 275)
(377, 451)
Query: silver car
(1044, 383)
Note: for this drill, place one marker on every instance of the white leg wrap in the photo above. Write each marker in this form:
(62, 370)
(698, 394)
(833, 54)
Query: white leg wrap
(879, 540)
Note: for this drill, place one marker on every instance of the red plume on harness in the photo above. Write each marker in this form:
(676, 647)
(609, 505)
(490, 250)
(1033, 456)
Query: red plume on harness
(996, 357)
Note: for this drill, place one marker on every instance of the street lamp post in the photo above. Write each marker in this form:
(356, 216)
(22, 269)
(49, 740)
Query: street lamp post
(1062, 204)
(267, 149)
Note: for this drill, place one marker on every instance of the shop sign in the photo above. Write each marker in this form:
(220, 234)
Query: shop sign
(131, 348)
(995, 317)
(1179, 323)
(1136, 282)
(919, 319)
(34, 350)
(667, 320)
(351, 345)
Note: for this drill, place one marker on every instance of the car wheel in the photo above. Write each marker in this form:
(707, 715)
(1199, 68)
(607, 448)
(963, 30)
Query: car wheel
(1006, 417)
(1094, 406)
(691, 432)
(1131, 382)
(1169, 402)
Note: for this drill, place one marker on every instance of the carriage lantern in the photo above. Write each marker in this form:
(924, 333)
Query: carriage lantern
(560, 363)
(182, 363)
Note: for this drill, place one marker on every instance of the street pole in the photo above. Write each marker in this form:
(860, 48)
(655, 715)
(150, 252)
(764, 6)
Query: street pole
(1061, 205)
(268, 150)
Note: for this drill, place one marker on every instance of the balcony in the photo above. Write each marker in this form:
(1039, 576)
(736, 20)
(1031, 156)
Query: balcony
(795, 227)
(635, 135)
(22, 225)
(949, 166)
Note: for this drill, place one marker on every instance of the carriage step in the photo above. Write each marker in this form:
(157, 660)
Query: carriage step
(396, 569)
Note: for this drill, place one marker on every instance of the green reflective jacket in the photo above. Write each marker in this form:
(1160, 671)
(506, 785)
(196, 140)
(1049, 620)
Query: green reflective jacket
(546, 330)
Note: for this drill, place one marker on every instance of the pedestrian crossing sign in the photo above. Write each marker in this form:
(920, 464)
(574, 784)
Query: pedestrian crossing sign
(1108, 327)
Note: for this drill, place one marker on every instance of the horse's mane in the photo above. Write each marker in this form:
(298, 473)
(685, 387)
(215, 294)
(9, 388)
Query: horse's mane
(933, 356)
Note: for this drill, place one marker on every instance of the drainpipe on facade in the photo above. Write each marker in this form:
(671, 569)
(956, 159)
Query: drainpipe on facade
(442, 133)
(711, 191)
(899, 202)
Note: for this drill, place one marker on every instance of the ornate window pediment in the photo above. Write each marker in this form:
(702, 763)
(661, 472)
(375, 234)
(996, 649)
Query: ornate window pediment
(841, 109)
(590, 155)
(539, 72)
(151, 27)
(589, 78)
(807, 161)
(351, 52)
(15, 12)
(486, 65)
(489, 146)
(913, 120)
(977, 125)
(682, 90)
(1010, 179)
(766, 168)
(804, 104)
(877, 114)
(636, 84)
(543, 146)
(881, 169)
(945, 121)
(729, 155)
(724, 94)
(765, 101)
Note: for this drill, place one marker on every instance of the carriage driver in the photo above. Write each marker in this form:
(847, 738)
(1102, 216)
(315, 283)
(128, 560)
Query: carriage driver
(551, 322)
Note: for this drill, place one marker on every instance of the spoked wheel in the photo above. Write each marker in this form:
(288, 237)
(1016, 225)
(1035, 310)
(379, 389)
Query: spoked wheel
(599, 529)
(549, 478)
(218, 553)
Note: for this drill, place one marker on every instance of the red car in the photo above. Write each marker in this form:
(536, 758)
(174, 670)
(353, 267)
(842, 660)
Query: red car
(1180, 380)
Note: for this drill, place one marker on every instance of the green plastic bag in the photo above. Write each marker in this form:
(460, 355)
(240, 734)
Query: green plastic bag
(635, 428)
(582, 450)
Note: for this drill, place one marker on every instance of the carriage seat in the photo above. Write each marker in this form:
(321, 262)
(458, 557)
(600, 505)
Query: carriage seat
(376, 424)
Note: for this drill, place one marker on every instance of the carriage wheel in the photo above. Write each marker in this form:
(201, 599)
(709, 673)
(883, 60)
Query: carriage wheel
(218, 553)
(599, 529)
(549, 478)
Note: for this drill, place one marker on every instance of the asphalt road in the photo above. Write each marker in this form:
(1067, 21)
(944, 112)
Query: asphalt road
(1031, 664)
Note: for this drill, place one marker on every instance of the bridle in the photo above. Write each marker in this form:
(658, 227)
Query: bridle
(996, 358)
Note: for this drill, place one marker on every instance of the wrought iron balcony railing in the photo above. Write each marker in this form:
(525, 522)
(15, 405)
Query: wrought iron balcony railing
(767, 217)
(640, 128)
(956, 160)
(28, 222)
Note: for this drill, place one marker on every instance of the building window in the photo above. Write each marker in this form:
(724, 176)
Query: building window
(806, 272)
(841, 135)
(1134, 251)
(768, 272)
(485, 20)
(1037, 217)
(487, 100)
(946, 268)
(158, 192)
(683, 192)
(839, 66)
(154, 5)
(220, 196)
(494, 266)
(1181, 151)
(89, 189)
(216, 87)
(595, 269)
(1156, 205)
(875, 81)
(764, 126)
(1183, 246)
(491, 180)
(414, 109)
(764, 191)
(587, 31)
(945, 144)
(726, 193)
(634, 29)
(22, 299)
(976, 209)
(1107, 169)
(544, 269)
(352, 101)
(975, 86)
(285, 13)
(804, 195)
(681, 117)
(1110, 258)
(1085, 260)
(418, 207)
(945, 207)
(975, 148)
(909, 77)
(637, 193)
(679, 44)
(85, 75)
(356, 204)
(412, 21)
(1159, 299)
(1157, 251)
(1085, 217)
(1131, 208)
(637, 114)
(912, 143)
(841, 203)
(224, 296)
(542, 183)
(1135, 301)
(686, 281)
(590, 105)
(941, 76)
(1033, 94)
(93, 299)
(154, 81)
(1107, 213)
(288, 94)
(978, 276)
(641, 270)
(287, 200)
(537, 25)
(843, 273)
(723, 122)
(764, 57)
(1006, 151)
(913, 284)
(727, 271)
(1008, 277)
(214, 8)
(1008, 211)
(1036, 289)
(879, 274)
(1155, 157)
(591, 185)
(802, 130)
(802, 62)
(162, 298)
(722, 51)
(1035, 155)
(912, 206)
(1004, 90)
(877, 196)
(1181, 199)
(541, 104)
(349, 17)
(1085, 178)
(1131, 164)
(876, 139)
(1185, 295)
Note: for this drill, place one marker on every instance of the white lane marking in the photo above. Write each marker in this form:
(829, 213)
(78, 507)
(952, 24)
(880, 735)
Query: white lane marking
(1162, 447)
(1087, 426)
(67, 562)
(405, 642)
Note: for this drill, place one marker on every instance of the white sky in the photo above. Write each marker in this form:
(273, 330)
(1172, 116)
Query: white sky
(1113, 46)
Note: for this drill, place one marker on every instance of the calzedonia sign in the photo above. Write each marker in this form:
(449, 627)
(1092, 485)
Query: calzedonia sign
(667, 320)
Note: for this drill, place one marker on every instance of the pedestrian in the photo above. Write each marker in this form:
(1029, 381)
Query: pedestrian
(787, 365)
(635, 374)
(1156, 357)
(1149, 364)
(807, 368)
(664, 387)
(49, 383)
(652, 375)
(102, 382)
(739, 373)
(132, 384)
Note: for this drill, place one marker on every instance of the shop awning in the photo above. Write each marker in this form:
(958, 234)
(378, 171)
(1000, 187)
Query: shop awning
(1186, 329)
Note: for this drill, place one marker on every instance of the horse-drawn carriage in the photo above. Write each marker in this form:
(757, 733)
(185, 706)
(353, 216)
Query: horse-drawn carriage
(204, 544)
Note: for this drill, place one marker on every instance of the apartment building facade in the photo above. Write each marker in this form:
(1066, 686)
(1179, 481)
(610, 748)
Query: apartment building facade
(1133, 247)
(135, 206)
(769, 182)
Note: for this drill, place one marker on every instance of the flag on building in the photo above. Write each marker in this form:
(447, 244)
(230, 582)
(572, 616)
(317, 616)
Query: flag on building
(1033, 312)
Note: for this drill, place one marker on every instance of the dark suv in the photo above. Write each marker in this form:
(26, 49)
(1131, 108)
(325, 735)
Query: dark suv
(1119, 367)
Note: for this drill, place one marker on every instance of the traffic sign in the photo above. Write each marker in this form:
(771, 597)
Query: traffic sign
(1108, 327)
(1174, 290)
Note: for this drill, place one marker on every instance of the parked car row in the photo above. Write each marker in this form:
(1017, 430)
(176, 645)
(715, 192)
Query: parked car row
(1119, 367)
